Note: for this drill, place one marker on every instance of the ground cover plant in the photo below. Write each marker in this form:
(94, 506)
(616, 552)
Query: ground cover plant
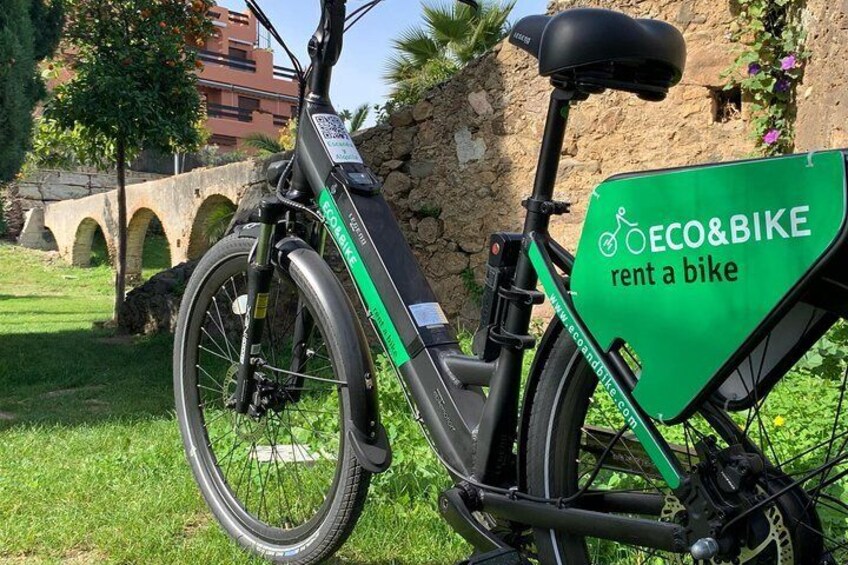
(92, 469)
(91, 465)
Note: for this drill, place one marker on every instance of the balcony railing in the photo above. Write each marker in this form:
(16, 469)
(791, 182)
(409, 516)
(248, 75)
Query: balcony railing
(227, 60)
(234, 17)
(284, 73)
(239, 18)
(229, 112)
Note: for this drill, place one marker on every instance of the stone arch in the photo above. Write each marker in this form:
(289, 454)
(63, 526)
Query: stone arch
(136, 237)
(210, 216)
(83, 240)
(48, 240)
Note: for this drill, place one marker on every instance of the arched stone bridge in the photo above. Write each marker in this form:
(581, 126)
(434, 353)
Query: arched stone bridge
(185, 206)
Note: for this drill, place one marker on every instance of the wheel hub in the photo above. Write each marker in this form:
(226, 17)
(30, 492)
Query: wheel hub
(725, 484)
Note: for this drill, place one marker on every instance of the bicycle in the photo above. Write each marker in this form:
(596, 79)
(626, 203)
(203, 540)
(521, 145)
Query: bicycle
(609, 240)
(644, 433)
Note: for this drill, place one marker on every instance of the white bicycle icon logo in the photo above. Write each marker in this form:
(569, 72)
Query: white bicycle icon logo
(635, 239)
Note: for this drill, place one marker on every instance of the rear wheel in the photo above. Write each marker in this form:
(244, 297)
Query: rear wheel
(284, 484)
(573, 423)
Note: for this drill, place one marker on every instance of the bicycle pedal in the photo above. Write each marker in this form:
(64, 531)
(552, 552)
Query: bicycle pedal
(504, 556)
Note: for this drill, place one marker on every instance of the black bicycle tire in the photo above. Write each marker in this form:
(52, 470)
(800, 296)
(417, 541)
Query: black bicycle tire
(565, 377)
(349, 492)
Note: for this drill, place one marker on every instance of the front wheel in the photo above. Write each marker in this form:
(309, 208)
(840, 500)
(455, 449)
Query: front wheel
(285, 484)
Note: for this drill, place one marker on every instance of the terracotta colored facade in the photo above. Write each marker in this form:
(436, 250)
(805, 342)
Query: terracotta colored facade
(244, 91)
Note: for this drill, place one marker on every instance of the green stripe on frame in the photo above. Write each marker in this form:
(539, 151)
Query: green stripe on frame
(373, 302)
(667, 468)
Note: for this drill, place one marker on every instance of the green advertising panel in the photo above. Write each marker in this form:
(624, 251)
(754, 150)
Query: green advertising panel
(684, 265)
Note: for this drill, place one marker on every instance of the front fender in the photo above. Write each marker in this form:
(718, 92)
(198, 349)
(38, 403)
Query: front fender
(312, 274)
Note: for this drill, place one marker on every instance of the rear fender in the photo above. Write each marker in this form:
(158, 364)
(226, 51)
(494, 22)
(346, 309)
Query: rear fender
(543, 353)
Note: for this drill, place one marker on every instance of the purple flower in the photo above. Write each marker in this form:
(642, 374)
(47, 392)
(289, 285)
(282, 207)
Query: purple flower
(788, 63)
(771, 136)
(754, 69)
(782, 85)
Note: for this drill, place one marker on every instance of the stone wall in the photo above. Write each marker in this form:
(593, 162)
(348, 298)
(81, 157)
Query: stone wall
(822, 120)
(457, 165)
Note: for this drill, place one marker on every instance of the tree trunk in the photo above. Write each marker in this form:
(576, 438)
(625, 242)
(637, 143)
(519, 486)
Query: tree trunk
(121, 266)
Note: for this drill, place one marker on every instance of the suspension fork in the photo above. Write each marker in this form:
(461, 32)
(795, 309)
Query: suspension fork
(260, 271)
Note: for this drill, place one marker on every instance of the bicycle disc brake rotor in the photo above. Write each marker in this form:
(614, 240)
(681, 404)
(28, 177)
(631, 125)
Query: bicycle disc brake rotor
(771, 543)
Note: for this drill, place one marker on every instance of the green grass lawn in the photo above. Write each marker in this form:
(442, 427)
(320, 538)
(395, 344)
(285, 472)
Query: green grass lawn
(91, 465)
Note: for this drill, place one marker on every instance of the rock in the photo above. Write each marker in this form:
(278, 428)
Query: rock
(153, 307)
(402, 142)
(422, 111)
(687, 14)
(467, 148)
(429, 230)
(421, 169)
(419, 201)
(397, 185)
(480, 103)
(393, 164)
(402, 118)
(488, 178)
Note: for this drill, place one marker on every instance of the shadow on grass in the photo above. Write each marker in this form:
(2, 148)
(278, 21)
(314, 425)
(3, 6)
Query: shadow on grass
(25, 297)
(83, 377)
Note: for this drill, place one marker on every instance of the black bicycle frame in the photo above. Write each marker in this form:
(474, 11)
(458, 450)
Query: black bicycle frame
(473, 433)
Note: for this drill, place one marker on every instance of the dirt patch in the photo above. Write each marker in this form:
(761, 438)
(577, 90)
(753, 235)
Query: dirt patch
(83, 557)
(73, 391)
(122, 339)
(71, 557)
(195, 524)
(95, 406)
(17, 559)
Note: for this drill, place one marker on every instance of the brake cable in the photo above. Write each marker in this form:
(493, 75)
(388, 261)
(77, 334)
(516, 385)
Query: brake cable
(360, 13)
(302, 76)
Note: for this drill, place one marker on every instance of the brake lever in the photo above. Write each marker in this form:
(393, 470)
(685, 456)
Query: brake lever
(471, 3)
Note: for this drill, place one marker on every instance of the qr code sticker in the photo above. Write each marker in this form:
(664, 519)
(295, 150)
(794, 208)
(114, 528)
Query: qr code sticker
(337, 141)
(330, 126)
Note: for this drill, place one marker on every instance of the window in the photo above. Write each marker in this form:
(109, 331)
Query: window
(248, 103)
(223, 140)
(237, 53)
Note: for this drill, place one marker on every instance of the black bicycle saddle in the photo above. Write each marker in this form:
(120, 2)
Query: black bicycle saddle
(592, 49)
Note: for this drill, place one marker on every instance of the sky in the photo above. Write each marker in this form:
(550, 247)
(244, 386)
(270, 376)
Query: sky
(357, 78)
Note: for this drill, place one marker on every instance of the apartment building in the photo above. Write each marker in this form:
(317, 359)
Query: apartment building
(244, 91)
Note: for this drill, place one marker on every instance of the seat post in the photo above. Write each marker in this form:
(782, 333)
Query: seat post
(549, 156)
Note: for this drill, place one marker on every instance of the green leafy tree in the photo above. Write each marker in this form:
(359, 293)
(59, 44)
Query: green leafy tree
(451, 36)
(356, 119)
(133, 86)
(29, 33)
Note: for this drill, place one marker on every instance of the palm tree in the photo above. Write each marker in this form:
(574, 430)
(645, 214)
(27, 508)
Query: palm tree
(263, 143)
(452, 35)
(356, 119)
(266, 145)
